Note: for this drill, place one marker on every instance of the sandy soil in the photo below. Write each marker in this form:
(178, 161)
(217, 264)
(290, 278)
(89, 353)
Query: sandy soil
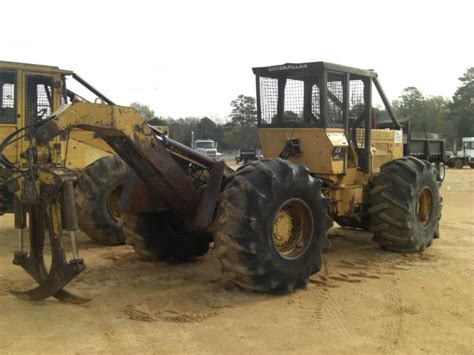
(364, 300)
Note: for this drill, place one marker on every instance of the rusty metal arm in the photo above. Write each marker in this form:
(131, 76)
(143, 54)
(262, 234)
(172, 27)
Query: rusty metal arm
(47, 191)
(125, 131)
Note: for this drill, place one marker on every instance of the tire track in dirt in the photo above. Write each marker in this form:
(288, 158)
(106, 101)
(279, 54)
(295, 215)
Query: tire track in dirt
(194, 306)
(378, 265)
(394, 332)
(212, 298)
(6, 285)
(179, 293)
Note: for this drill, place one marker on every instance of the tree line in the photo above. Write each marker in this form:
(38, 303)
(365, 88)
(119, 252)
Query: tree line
(451, 117)
(238, 133)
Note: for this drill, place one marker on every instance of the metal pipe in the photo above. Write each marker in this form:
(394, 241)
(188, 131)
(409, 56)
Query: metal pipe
(20, 240)
(386, 103)
(259, 107)
(75, 250)
(184, 150)
(92, 89)
(20, 222)
(69, 215)
(323, 98)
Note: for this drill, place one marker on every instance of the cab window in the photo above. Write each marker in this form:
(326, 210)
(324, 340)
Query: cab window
(7, 97)
(39, 97)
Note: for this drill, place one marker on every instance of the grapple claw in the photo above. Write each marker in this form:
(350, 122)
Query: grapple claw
(61, 272)
(58, 277)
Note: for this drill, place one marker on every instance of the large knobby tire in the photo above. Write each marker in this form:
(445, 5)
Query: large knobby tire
(97, 194)
(405, 205)
(270, 226)
(162, 236)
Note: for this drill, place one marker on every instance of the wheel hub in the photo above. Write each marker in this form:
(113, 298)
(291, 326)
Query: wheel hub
(292, 229)
(424, 207)
(112, 202)
(282, 228)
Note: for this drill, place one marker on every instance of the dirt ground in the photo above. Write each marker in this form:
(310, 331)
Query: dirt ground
(364, 300)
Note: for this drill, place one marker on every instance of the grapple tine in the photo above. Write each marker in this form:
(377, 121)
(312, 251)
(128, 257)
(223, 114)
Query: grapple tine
(56, 280)
(61, 272)
(68, 297)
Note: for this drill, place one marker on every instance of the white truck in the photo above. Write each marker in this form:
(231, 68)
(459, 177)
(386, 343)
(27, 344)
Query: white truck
(207, 147)
(465, 156)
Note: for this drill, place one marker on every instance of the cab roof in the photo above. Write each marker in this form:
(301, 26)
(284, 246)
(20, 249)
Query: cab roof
(309, 69)
(33, 67)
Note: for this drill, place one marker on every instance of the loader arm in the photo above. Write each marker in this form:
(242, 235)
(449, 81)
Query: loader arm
(152, 156)
(45, 189)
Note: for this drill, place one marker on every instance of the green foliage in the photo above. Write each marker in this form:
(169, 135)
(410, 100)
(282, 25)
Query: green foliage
(244, 112)
(157, 121)
(426, 114)
(145, 111)
(461, 110)
(436, 110)
(410, 104)
(231, 137)
(241, 132)
(455, 118)
(206, 129)
(290, 116)
(236, 137)
(180, 129)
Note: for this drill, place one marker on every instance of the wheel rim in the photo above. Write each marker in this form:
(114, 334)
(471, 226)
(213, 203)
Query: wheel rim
(292, 229)
(112, 201)
(424, 207)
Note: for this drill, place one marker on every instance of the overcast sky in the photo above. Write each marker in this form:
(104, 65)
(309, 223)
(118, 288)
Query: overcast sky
(191, 58)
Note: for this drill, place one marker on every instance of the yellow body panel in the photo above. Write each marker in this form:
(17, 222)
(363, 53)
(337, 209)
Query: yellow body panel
(12, 151)
(81, 149)
(319, 149)
(316, 145)
(346, 201)
(386, 145)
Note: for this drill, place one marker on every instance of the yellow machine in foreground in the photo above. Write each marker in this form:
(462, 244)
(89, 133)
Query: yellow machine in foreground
(268, 220)
(321, 114)
(28, 94)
